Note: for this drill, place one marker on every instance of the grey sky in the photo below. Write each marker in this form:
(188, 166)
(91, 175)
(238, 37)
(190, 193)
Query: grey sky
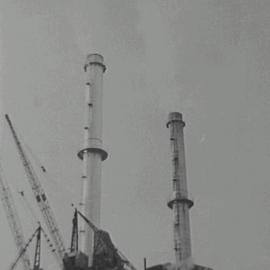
(208, 59)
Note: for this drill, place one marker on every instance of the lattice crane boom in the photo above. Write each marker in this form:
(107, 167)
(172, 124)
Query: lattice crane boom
(40, 197)
(14, 221)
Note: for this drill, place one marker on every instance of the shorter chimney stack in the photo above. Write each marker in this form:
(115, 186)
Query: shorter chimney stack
(179, 203)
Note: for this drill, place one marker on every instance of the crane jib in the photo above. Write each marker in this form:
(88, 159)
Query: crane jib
(40, 197)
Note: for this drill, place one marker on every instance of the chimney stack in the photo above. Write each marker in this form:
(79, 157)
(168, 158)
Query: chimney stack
(92, 153)
(180, 203)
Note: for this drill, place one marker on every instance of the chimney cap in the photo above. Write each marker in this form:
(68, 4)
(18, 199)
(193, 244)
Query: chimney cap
(94, 59)
(175, 117)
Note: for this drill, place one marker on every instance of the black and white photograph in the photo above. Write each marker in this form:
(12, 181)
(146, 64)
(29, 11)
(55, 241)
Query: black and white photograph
(134, 134)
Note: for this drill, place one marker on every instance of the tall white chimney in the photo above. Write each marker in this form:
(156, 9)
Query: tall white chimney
(92, 153)
(180, 203)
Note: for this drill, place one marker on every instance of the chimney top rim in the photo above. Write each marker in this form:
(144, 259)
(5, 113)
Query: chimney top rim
(94, 59)
(175, 117)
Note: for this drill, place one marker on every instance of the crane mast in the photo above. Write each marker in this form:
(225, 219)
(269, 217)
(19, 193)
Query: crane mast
(36, 265)
(40, 197)
(14, 221)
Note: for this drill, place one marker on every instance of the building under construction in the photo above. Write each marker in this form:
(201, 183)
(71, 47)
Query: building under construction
(91, 247)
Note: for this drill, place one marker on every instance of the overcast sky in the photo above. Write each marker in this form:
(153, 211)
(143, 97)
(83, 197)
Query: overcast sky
(208, 59)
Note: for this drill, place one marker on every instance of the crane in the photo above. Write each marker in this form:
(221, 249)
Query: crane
(14, 222)
(37, 255)
(40, 197)
(74, 246)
